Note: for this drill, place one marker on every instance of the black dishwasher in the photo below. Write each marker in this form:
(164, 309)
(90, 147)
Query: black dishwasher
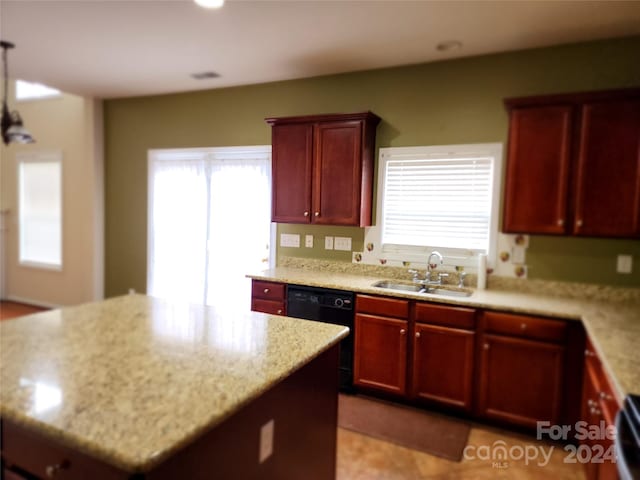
(329, 306)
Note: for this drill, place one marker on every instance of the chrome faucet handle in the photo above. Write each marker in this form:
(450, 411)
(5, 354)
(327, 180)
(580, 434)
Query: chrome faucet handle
(441, 276)
(415, 274)
(461, 277)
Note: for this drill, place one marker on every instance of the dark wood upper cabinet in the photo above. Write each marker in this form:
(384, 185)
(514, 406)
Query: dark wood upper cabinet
(323, 168)
(573, 165)
(608, 177)
(538, 169)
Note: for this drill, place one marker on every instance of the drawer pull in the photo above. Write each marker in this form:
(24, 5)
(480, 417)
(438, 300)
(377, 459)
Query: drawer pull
(417, 334)
(523, 326)
(560, 222)
(306, 214)
(485, 346)
(266, 290)
(402, 331)
(579, 223)
(279, 312)
(53, 470)
(317, 214)
(605, 396)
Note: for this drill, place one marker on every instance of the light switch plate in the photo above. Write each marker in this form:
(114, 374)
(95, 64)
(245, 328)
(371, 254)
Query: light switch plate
(289, 240)
(625, 264)
(518, 255)
(328, 243)
(266, 440)
(308, 241)
(342, 243)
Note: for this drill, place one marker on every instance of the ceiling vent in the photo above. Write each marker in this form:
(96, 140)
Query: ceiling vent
(205, 75)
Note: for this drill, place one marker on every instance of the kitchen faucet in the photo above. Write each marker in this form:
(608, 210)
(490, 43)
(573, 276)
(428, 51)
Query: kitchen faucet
(428, 273)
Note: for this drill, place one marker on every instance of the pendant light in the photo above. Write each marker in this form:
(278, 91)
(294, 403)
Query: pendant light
(13, 130)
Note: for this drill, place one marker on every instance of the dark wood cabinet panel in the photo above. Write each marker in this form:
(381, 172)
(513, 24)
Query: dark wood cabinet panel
(538, 168)
(337, 173)
(608, 181)
(573, 165)
(390, 307)
(443, 365)
(323, 168)
(520, 380)
(533, 328)
(380, 353)
(292, 157)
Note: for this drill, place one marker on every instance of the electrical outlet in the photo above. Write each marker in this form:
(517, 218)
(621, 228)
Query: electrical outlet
(328, 243)
(266, 440)
(289, 240)
(625, 264)
(308, 241)
(518, 255)
(342, 243)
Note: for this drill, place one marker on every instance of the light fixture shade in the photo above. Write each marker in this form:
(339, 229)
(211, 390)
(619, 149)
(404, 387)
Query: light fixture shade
(210, 3)
(13, 130)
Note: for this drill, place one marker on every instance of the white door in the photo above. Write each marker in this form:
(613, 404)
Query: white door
(209, 223)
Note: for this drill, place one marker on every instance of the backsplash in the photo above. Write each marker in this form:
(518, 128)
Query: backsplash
(494, 282)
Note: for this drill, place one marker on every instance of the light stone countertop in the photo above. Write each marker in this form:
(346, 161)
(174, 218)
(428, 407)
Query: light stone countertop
(132, 379)
(614, 327)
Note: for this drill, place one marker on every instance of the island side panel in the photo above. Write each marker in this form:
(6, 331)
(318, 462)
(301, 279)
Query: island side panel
(304, 408)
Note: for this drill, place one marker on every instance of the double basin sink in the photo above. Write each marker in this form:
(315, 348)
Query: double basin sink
(417, 288)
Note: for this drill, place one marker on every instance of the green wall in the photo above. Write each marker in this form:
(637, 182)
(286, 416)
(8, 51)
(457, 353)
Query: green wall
(458, 101)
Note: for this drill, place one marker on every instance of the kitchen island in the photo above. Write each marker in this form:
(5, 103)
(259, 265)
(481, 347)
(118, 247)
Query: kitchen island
(136, 387)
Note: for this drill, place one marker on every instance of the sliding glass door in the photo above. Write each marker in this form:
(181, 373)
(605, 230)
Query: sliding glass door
(209, 223)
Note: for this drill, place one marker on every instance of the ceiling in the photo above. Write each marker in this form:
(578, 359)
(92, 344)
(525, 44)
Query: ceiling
(117, 48)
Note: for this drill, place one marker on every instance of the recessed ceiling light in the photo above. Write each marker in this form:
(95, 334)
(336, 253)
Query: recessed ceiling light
(205, 75)
(210, 3)
(449, 45)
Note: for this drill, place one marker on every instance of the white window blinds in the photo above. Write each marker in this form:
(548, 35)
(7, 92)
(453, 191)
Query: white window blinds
(437, 197)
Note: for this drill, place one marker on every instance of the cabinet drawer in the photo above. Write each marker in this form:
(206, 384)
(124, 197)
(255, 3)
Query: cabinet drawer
(36, 455)
(456, 317)
(267, 290)
(524, 326)
(268, 306)
(390, 307)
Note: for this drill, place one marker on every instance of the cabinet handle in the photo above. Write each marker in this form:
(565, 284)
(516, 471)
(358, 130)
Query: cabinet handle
(279, 312)
(266, 290)
(595, 411)
(604, 396)
(485, 346)
(306, 214)
(317, 214)
(402, 331)
(579, 223)
(523, 326)
(560, 222)
(417, 334)
(591, 403)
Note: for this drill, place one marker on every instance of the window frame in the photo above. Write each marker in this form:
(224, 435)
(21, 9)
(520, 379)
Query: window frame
(452, 256)
(54, 156)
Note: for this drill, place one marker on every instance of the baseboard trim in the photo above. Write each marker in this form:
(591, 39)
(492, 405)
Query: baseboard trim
(30, 301)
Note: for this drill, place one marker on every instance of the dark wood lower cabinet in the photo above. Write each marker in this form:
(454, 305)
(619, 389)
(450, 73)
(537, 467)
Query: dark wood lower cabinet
(520, 380)
(443, 361)
(380, 353)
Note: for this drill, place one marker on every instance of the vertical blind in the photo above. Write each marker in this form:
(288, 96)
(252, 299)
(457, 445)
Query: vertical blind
(438, 201)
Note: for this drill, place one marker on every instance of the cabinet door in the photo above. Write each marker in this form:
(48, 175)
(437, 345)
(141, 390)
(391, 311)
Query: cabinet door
(520, 380)
(338, 173)
(608, 185)
(537, 169)
(443, 365)
(380, 353)
(292, 155)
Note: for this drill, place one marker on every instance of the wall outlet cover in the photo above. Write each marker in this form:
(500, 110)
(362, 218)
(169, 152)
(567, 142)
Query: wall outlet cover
(624, 264)
(290, 240)
(342, 243)
(308, 241)
(328, 243)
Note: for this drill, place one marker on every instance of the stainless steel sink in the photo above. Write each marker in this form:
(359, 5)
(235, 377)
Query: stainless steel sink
(417, 288)
(405, 287)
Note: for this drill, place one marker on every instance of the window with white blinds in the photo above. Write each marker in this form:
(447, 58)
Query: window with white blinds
(439, 197)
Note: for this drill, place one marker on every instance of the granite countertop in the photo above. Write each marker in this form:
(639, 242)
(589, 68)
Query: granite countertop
(132, 379)
(613, 326)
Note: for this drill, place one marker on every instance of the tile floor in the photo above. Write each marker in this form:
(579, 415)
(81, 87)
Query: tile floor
(365, 458)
